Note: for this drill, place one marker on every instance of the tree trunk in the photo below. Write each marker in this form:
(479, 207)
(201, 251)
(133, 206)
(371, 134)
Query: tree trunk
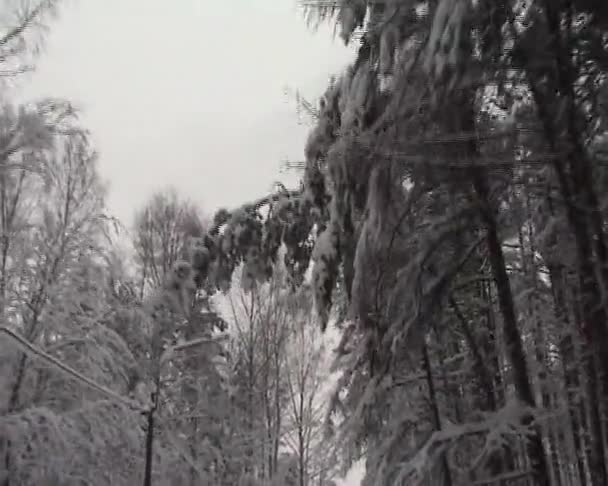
(513, 342)
(556, 104)
(426, 363)
(149, 447)
(571, 376)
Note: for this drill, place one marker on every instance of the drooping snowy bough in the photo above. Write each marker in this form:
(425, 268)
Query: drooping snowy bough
(424, 205)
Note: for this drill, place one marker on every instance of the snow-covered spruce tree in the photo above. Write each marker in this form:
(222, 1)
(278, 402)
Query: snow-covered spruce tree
(468, 53)
(429, 158)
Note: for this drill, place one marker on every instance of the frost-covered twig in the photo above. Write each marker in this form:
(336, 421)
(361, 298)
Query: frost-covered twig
(186, 456)
(33, 351)
(508, 417)
(192, 344)
(504, 477)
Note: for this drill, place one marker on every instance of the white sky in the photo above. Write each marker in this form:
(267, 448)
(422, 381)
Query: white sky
(188, 93)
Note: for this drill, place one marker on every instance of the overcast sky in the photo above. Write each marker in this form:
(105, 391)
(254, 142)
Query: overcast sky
(188, 93)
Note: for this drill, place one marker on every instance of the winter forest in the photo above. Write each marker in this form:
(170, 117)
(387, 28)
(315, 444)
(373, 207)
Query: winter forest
(430, 302)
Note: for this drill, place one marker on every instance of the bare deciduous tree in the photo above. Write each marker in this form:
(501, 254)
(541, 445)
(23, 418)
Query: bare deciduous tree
(162, 231)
